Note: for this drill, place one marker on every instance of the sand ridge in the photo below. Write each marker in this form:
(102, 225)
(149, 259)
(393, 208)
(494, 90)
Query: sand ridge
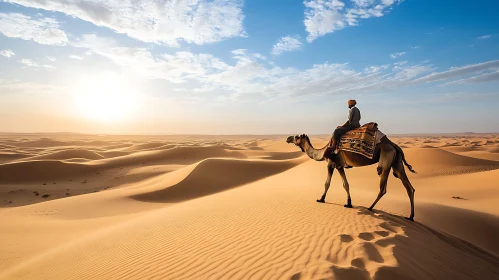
(241, 207)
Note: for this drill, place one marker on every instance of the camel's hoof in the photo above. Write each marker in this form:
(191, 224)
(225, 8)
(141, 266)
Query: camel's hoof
(321, 200)
(410, 219)
(348, 206)
(370, 209)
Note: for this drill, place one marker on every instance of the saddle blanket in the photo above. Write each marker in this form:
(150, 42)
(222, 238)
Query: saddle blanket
(361, 140)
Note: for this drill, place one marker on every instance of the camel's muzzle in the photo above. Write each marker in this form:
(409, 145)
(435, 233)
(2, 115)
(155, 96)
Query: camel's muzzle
(290, 139)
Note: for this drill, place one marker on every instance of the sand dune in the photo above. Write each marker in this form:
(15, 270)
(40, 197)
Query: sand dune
(186, 155)
(272, 155)
(145, 146)
(42, 143)
(215, 175)
(30, 171)
(233, 235)
(475, 227)
(10, 156)
(463, 149)
(241, 207)
(435, 162)
(44, 168)
(117, 146)
(482, 155)
(112, 154)
(68, 154)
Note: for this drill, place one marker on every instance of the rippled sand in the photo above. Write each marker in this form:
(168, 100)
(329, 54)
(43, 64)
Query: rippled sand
(241, 207)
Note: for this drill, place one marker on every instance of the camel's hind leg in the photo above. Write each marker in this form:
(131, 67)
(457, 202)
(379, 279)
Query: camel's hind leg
(346, 186)
(330, 170)
(399, 172)
(385, 164)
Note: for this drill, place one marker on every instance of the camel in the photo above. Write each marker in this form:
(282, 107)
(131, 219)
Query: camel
(387, 154)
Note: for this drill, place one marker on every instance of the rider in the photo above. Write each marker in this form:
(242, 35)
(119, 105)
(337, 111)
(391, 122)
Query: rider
(352, 123)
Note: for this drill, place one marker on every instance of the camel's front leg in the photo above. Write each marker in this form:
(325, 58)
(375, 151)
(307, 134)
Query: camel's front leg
(385, 164)
(330, 170)
(346, 186)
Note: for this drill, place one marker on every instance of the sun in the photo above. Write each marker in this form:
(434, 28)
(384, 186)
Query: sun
(104, 97)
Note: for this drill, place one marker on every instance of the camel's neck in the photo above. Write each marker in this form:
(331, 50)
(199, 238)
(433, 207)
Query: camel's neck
(313, 153)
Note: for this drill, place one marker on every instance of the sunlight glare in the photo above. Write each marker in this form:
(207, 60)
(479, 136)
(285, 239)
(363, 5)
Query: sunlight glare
(105, 97)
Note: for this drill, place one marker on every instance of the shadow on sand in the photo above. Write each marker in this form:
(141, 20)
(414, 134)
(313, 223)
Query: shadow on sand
(412, 251)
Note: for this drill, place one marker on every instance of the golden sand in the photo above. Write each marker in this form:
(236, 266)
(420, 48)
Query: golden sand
(241, 207)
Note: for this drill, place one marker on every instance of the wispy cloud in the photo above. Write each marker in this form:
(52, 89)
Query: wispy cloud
(326, 16)
(446, 97)
(28, 62)
(76, 57)
(286, 44)
(415, 47)
(484, 37)
(141, 63)
(252, 76)
(19, 87)
(159, 21)
(483, 78)
(34, 64)
(51, 58)
(460, 71)
(396, 55)
(459, 96)
(7, 53)
(41, 30)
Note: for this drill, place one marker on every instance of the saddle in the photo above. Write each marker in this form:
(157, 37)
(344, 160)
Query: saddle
(360, 140)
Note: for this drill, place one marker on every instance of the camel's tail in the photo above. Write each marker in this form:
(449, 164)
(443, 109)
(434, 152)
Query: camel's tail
(399, 150)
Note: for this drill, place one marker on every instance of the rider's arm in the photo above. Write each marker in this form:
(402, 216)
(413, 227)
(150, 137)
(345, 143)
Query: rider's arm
(349, 120)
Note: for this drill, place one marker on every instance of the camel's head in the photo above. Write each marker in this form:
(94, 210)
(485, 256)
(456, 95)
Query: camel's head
(298, 140)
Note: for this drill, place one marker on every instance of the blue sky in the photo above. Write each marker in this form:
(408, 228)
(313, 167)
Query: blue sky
(248, 67)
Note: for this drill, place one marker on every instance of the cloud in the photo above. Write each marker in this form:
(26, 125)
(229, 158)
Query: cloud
(457, 96)
(51, 58)
(326, 16)
(250, 76)
(41, 30)
(487, 77)
(31, 63)
(415, 47)
(28, 62)
(395, 55)
(484, 37)
(76, 57)
(19, 87)
(376, 69)
(7, 53)
(286, 44)
(445, 97)
(459, 71)
(159, 21)
(141, 63)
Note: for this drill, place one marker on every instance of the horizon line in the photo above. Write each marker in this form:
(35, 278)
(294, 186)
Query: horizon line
(238, 134)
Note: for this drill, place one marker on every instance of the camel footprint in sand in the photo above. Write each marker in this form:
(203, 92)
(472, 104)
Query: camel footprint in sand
(357, 256)
(366, 253)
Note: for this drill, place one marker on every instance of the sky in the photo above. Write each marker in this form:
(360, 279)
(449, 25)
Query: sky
(248, 67)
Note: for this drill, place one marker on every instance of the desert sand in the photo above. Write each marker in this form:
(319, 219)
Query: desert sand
(241, 207)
